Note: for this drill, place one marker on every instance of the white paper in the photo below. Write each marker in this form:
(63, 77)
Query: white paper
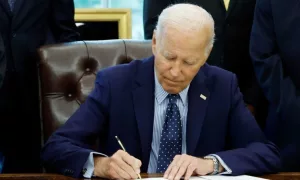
(217, 177)
(220, 177)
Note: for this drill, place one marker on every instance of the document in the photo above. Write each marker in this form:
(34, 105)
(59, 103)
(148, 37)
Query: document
(220, 177)
(217, 177)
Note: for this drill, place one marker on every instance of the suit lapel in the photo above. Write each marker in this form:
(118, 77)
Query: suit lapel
(143, 101)
(231, 6)
(17, 7)
(4, 5)
(198, 98)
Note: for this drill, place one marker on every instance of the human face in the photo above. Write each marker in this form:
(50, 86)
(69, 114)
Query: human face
(178, 57)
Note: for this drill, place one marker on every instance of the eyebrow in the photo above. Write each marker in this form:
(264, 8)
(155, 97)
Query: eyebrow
(192, 60)
(168, 54)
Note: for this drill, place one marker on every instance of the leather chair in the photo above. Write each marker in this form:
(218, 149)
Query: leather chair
(67, 73)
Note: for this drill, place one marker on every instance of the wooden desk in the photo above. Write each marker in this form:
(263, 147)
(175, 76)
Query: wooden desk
(280, 176)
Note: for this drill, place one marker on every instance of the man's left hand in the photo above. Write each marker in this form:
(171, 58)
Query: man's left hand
(188, 165)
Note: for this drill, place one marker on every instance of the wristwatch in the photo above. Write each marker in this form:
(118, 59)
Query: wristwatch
(216, 164)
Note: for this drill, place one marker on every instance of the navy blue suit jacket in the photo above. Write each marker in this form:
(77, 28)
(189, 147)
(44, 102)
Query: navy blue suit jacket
(275, 50)
(122, 104)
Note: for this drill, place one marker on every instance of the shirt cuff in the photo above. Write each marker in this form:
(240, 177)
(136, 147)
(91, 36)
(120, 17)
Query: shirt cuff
(227, 169)
(88, 167)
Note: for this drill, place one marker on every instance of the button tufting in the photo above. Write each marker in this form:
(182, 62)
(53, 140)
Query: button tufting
(70, 95)
(88, 69)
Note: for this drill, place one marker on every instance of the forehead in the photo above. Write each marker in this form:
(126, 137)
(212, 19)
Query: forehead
(177, 41)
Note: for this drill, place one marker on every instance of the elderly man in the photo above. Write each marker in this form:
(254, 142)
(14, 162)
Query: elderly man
(173, 113)
(233, 23)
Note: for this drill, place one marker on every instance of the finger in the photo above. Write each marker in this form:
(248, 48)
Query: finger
(183, 168)
(191, 168)
(169, 169)
(175, 167)
(173, 172)
(132, 161)
(127, 167)
(120, 171)
(113, 174)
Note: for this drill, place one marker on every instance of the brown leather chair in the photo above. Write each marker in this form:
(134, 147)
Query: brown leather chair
(67, 73)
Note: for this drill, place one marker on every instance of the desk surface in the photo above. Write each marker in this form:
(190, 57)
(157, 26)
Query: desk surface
(280, 176)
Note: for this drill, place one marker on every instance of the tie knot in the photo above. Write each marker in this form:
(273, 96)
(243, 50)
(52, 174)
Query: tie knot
(173, 98)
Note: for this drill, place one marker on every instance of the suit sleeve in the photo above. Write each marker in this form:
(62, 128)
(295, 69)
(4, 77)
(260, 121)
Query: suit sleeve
(151, 11)
(251, 152)
(68, 149)
(62, 23)
(252, 92)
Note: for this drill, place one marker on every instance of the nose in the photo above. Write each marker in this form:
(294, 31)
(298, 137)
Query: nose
(175, 70)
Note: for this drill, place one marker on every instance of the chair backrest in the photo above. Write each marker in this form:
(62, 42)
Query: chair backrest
(67, 72)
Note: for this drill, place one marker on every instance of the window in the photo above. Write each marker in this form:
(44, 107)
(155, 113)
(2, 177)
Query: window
(136, 7)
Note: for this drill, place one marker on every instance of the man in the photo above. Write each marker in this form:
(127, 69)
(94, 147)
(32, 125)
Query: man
(275, 53)
(171, 117)
(25, 26)
(233, 22)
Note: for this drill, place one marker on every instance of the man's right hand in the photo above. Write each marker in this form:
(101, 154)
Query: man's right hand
(120, 165)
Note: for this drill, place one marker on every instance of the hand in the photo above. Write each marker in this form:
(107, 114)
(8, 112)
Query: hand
(120, 165)
(188, 165)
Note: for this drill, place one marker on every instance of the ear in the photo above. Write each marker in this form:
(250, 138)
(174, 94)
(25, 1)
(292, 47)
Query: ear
(154, 43)
(208, 51)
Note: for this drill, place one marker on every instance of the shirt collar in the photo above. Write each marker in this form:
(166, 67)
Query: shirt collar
(161, 94)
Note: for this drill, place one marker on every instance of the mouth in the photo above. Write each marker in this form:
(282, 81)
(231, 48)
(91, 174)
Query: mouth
(171, 82)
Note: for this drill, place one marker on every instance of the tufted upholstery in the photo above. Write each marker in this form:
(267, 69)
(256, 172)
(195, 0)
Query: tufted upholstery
(67, 73)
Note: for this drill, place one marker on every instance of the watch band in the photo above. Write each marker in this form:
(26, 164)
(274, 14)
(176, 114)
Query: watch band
(216, 164)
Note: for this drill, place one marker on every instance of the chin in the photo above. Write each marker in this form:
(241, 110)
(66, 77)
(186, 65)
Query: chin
(171, 90)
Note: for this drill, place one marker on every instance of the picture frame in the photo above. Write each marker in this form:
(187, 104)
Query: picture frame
(121, 16)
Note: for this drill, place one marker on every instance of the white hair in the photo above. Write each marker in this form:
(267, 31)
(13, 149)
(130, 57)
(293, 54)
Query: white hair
(188, 17)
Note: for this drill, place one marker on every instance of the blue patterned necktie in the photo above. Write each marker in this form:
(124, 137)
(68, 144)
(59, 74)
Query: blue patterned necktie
(171, 137)
(11, 4)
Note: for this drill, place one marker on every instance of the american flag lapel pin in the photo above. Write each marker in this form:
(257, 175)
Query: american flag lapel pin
(202, 96)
